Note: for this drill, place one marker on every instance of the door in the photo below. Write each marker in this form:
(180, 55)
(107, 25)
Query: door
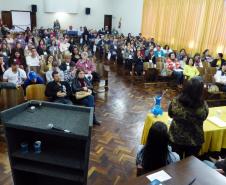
(7, 18)
(33, 20)
(108, 21)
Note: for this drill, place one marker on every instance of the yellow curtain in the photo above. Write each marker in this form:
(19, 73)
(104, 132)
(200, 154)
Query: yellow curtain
(195, 25)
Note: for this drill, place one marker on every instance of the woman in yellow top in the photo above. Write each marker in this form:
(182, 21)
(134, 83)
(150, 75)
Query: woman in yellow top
(46, 65)
(190, 70)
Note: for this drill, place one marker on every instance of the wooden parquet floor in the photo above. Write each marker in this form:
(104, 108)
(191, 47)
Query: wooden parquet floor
(122, 111)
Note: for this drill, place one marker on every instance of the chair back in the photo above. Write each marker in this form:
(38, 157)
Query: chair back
(211, 70)
(205, 64)
(208, 78)
(160, 65)
(11, 97)
(201, 71)
(147, 65)
(36, 92)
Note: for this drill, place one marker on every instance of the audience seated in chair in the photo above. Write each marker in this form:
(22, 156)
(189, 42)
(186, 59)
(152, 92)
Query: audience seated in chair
(181, 54)
(197, 60)
(139, 64)
(58, 91)
(55, 67)
(128, 56)
(218, 62)
(159, 52)
(65, 65)
(151, 58)
(53, 48)
(190, 70)
(220, 77)
(46, 65)
(15, 75)
(70, 73)
(81, 84)
(167, 50)
(33, 78)
(3, 67)
(18, 58)
(88, 66)
(75, 55)
(183, 61)
(173, 66)
(33, 59)
(41, 48)
(5, 49)
(156, 153)
(206, 57)
(18, 48)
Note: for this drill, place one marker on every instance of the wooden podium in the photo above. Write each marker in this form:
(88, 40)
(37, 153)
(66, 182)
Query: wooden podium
(64, 156)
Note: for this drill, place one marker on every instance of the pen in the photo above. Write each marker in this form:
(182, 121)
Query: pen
(192, 181)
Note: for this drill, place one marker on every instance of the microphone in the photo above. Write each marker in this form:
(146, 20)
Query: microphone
(52, 127)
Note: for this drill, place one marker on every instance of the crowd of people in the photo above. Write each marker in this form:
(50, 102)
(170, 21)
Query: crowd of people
(67, 66)
(38, 48)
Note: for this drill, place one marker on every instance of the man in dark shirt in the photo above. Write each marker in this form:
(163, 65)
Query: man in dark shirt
(219, 61)
(59, 91)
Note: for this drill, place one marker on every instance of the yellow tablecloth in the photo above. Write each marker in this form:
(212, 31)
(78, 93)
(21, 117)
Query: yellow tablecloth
(215, 137)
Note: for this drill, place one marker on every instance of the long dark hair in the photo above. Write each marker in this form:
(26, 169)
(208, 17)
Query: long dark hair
(192, 93)
(78, 71)
(187, 62)
(156, 150)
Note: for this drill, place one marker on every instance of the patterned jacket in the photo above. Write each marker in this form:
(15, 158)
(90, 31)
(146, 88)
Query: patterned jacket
(187, 125)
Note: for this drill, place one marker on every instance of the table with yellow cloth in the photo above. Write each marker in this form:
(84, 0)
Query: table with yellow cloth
(215, 137)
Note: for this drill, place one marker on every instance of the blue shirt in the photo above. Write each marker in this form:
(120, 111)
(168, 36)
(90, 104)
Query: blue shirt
(159, 53)
(28, 82)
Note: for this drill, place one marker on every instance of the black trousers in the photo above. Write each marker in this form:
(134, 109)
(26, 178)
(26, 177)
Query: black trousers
(139, 69)
(186, 151)
(129, 64)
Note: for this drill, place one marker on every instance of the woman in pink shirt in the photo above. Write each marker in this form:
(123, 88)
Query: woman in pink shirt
(88, 66)
(173, 65)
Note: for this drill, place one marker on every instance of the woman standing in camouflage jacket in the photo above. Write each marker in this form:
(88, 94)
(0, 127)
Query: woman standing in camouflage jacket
(189, 111)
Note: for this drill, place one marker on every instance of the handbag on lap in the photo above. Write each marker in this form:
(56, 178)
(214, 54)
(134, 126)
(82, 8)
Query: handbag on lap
(82, 94)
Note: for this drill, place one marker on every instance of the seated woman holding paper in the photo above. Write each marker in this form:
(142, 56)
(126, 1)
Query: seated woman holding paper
(156, 153)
